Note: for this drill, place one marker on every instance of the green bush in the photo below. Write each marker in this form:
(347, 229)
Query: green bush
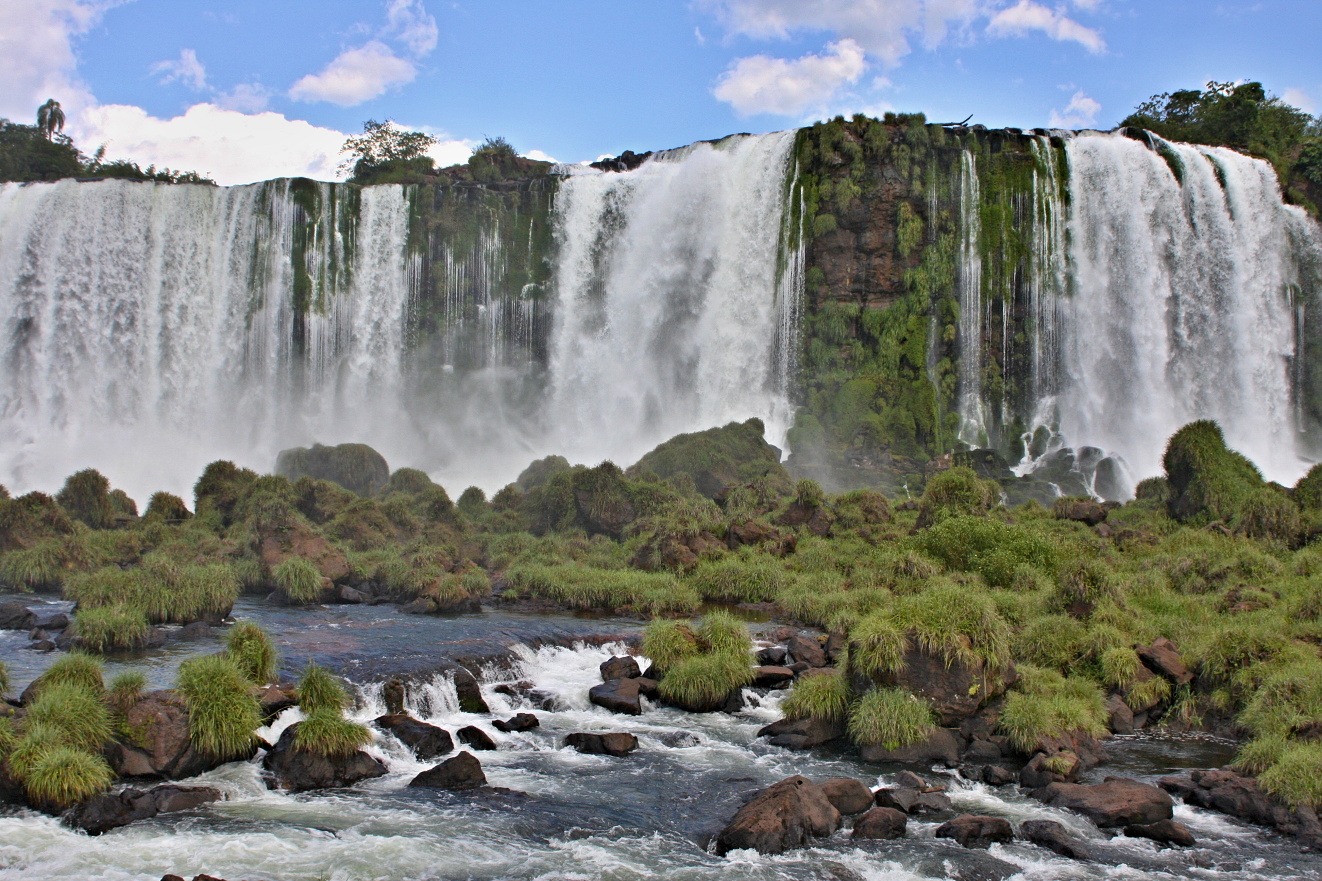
(409, 481)
(716, 459)
(955, 492)
(298, 580)
(222, 712)
(705, 679)
(1047, 704)
(37, 741)
(739, 579)
(540, 471)
(860, 508)
(823, 696)
(327, 733)
(86, 496)
(1269, 514)
(166, 507)
(890, 718)
(993, 549)
(723, 633)
(949, 620)
(1208, 481)
(667, 642)
(76, 668)
(356, 467)
(104, 629)
(1308, 491)
(76, 712)
(63, 776)
(319, 690)
(252, 651)
(1296, 776)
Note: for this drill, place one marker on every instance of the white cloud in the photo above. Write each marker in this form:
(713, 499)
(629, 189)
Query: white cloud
(1300, 98)
(447, 153)
(1081, 112)
(409, 22)
(761, 84)
(355, 76)
(1027, 16)
(245, 97)
(36, 55)
(185, 69)
(540, 156)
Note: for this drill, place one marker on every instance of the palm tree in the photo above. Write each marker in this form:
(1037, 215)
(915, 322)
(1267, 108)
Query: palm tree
(50, 118)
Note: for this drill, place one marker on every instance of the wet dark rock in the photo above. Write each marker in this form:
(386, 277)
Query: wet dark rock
(108, 811)
(43, 645)
(619, 696)
(972, 830)
(1116, 802)
(1120, 718)
(772, 677)
(16, 616)
(800, 667)
(912, 801)
(616, 743)
(50, 621)
(1163, 832)
(801, 733)
(196, 630)
(910, 780)
(808, 650)
(881, 824)
(1163, 657)
(300, 771)
(983, 751)
(773, 656)
(394, 694)
(1240, 796)
(457, 773)
(275, 699)
(472, 736)
(159, 744)
(350, 596)
(997, 775)
(1053, 836)
(942, 746)
(792, 813)
(679, 739)
(518, 722)
(955, 690)
(470, 694)
(625, 667)
(847, 794)
(426, 741)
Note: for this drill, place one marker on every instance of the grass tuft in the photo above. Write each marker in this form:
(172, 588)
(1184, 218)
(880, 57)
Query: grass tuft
(222, 713)
(76, 712)
(890, 718)
(63, 776)
(823, 696)
(705, 679)
(75, 668)
(319, 690)
(1049, 705)
(667, 642)
(252, 652)
(1296, 776)
(298, 580)
(326, 733)
(723, 633)
(105, 629)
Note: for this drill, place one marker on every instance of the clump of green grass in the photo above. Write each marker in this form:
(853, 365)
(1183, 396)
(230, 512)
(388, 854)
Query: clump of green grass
(319, 690)
(165, 590)
(823, 696)
(37, 740)
(75, 668)
(4, 678)
(949, 620)
(667, 642)
(991, 548)
(890, 718)
(1208, 481)
(588, 587)
(252, 651)
(723, 633)
(1147, 693)
(298, 580)
(125, 689)
(955, 492)
(76, 712)
(327, 733)
(1269, 514)
(86, 496)
(111, 628)
(706, 679)
(739, 579)
(1120, 666)
(222, 713)
(166, 507)
(1296, 776)
(1048, 704)
(62, 776)
(879, 644)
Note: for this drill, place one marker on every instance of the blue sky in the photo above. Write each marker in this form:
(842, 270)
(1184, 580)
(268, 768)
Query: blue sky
(245, 90)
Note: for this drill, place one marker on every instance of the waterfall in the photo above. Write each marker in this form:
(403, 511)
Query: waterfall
(1181, 260)
(972, 422)
(675, 311)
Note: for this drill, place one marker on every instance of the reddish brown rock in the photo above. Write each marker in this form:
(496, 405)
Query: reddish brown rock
(847, 794)
(157, 744)
(972, 830)
(881, 824)
(1116, 802)
(1162, 657)
(792, 813)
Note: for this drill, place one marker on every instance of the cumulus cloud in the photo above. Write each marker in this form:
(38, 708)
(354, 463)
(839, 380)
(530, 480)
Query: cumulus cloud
(1300, 98)
(1026, 16)
(409, 22)
(355, 76)
(37, 60)
(1081, 112)
(245, 97)
(185, 69)
(761, 84)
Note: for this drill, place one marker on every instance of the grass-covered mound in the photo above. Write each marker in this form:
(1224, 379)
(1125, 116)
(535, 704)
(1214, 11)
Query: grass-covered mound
(700, 668)
(718, 459)
(356, 467)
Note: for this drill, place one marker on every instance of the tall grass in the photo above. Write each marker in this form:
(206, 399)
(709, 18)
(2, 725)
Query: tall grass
(327, 733)
(823, 696)
(890, 718)
(111, 628)
(586, 587)
(62, 776)
(319, 690)
(739, 579)
(298, 580)
(252, 652)
(705, 679)
(1048, 704)
(667, 642)
(75, 668)
(78, 713)
(165, 590)
(222, 712)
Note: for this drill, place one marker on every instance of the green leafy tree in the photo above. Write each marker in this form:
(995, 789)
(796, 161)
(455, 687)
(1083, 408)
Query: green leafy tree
(384, 151)
(50, 118)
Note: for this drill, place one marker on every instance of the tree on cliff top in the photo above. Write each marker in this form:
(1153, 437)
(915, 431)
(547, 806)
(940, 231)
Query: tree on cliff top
(384, 151)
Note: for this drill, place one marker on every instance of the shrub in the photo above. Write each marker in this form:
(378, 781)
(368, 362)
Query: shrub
(955, 492)
(326, 733)
(890, 717)
(63, 776)
(860, 508)
(705, 679)
(86, 496)
(823, 696)
(808, 494)
(1208, 481)
(1296, 776)
(75, 712)
(723, 633)
(163, 589)
(667, 642)
(540, 471)
(76, 668)
(252, 652)
(409, 481)
(992, 549)
(166, 507)
(111, 628)
(472, 502)
(319, 690)
(1269, 514)
(1308, 491)
(1152, 489)
(222, 712)
(739, 579)
(125, 689)
(1047, 704)
(298, 580)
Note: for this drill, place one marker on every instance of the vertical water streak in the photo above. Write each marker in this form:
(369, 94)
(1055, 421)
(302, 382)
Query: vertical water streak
(972, 424)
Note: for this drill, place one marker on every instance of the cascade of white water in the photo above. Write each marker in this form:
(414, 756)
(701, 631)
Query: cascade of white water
(670, 298)
(1180, 267)
(972, 424)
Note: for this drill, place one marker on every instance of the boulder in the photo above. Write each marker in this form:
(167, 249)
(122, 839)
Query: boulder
(107, 811)
(801, 733)
(1240, 796)
(1116, 802)
(973, 830)
(1080, 510)
(16, 616)
(772, 677)
(942, 746)
(157, 743)
(518, 722)
(618, 744)
(50, 621)
(350, 596)
(470, 693)
(955, 690)
(426, 741)
(847, 794)
(881, 823)
(772, 656)
(912, 801)
(792, 813)
(476, 738)
(619, 695)
(625, 667)
(196, 630)
(299, 771)
(1120, 718)
(356, 467)
(1163, 832)
(1163, 658)
(1053, 836)
(457, 773)
(808, 650)
(393, 693)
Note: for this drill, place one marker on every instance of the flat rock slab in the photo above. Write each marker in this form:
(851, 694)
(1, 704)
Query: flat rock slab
(792, 813)
(1117, 802)
(618, 744)
(942, 746)
(457, 773)
(801, 733)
